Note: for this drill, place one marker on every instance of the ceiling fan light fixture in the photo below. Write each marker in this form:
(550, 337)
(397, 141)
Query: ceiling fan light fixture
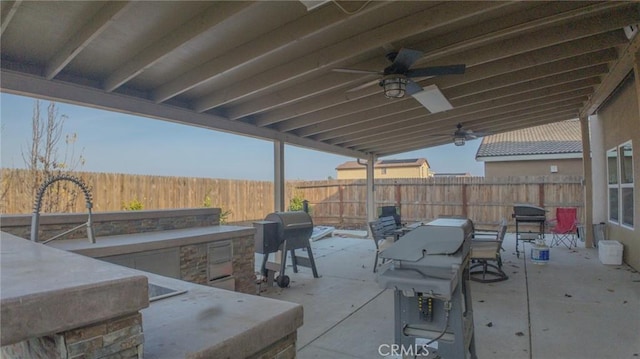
(394, 86)
(458, 140)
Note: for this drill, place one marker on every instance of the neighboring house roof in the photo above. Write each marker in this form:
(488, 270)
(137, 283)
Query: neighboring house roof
(555, 140)
(456, 174)
(411, 162)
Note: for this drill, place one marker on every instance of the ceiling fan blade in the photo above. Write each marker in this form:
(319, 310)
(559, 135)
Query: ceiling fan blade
(437, 71)
(364, 85)
(432, 99)
(475, 135)
(412, 87)
(404, 59)
(356, 71)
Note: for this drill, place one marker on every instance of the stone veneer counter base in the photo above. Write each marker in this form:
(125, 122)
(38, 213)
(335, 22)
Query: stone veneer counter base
(46, 291)
(192, 244)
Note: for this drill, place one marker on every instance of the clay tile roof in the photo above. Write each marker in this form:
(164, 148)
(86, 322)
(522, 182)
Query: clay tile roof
(410, 162)
(553, 138)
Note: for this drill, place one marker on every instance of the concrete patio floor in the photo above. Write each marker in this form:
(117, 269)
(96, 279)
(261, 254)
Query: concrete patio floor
(572, 307)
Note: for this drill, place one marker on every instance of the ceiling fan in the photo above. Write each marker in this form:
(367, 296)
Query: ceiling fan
(460, 136)
(396, 79)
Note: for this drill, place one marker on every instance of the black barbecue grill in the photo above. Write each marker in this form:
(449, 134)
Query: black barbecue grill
(529, 214)
(286, 232)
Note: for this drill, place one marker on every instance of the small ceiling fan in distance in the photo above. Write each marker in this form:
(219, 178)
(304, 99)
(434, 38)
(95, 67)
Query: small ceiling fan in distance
(460, 136)
(396, 79)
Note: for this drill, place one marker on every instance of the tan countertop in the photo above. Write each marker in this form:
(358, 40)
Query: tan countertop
(139, 242)
(209, 322)
(45, 290)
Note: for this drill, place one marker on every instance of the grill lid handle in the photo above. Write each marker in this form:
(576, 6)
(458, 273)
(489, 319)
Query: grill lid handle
(299, 225)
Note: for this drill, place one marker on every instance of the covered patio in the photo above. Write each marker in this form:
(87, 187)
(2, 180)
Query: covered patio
(368, 79)
(573, 307)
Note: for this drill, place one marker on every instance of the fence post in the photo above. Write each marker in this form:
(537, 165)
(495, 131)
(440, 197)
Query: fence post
(399, 198)
(341, 204)
(541, 195)
(465, 210)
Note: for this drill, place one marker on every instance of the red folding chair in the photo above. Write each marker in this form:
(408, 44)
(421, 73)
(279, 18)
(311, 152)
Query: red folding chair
(564, 227)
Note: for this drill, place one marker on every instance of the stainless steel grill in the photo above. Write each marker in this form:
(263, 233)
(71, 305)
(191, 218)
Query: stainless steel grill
(285, 232)
(528, 214)
(428, 268)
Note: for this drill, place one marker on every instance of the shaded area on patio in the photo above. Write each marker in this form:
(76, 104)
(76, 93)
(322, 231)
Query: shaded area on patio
(572, 307)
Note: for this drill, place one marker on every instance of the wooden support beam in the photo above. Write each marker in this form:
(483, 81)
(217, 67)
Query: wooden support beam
(278, 176)
(264, 45)
(371, 190)
(187, 31)
(9, 9)
(619, 70)
(29, 85)
(83, 36)
(440, 46)
(587, 221)
(331, 56)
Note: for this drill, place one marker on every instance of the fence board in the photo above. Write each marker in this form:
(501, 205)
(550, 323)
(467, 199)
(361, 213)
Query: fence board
(484, 200)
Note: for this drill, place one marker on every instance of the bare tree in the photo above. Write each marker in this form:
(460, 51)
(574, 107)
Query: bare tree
(5, 183)
(43, 160)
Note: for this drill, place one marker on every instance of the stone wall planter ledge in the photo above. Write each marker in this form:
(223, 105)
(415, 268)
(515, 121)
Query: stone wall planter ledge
(140, 242)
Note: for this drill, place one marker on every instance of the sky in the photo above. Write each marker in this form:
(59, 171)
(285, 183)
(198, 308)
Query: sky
(121, 143)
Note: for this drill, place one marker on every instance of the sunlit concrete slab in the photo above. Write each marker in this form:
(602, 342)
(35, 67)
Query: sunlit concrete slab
(374, 322)
(345, 284)
(583, 309)
(312, 352)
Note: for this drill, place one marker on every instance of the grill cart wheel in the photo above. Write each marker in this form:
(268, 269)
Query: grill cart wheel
(283, 281)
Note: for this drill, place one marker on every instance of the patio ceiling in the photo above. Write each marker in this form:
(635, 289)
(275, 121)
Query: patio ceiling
(265, 68)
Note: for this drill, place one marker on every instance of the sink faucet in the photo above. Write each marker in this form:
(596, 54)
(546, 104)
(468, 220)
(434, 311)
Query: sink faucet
(35, 218)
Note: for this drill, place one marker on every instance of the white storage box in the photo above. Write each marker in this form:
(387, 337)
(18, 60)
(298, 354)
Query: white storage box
(610, 252)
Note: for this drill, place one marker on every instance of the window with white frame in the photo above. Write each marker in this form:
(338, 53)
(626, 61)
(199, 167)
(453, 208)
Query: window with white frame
(620, 184)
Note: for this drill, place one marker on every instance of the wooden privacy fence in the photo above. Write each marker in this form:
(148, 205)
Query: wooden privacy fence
(484, 200)
(333, 202)
(247, 200)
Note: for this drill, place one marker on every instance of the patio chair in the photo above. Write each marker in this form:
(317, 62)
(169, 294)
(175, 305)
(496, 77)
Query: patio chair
(384, 233)
(386, 211)
(564, 227)
(489, 234)
(485, 248)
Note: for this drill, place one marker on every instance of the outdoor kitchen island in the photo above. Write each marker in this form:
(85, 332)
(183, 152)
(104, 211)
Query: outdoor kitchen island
(69, 304)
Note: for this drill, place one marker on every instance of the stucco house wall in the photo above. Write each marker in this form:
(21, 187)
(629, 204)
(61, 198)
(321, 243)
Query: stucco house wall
(392, 172)
(553, 149)
(571, 166)
(410, 170)
(620, 117)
